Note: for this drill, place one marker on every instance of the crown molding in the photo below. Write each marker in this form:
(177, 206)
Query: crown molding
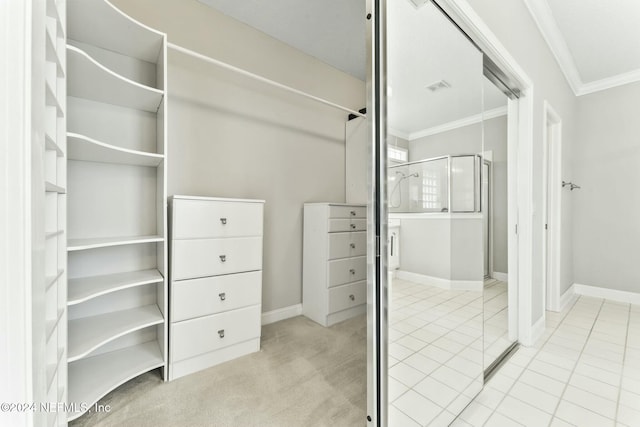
(477, 118)
(399, 133)
(543, 17)
(609, 82)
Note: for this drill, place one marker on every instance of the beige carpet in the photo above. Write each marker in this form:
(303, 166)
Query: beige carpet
(304, 375)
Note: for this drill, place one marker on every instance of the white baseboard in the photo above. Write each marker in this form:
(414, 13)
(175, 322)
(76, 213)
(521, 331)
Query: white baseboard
(537, 330)
(438, 282)
(567, 298)
(606, 293)
(503, 277)
(281, 314)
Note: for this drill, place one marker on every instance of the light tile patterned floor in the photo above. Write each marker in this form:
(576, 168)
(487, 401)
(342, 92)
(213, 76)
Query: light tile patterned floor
(496, 320)
(435, 353)
(584, 371)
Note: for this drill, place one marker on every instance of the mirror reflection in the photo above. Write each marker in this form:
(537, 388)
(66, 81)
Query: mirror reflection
(447, 203)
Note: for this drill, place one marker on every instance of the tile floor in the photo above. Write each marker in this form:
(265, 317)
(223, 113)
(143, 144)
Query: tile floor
(584, 371)
(435, 353)
(496, 320)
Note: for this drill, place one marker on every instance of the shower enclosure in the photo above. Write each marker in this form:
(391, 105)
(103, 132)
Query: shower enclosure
(441, 184)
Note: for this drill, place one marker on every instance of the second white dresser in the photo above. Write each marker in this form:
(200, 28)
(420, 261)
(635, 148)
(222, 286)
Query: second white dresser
(334, 272)
(215, 281)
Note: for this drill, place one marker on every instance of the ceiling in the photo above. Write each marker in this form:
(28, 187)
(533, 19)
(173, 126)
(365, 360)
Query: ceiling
(332, 31)
(424, 48)
(596, 42)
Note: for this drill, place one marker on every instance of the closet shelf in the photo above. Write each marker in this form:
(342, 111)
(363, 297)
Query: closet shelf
(93, 377)
(89, 79)
(52, 54)
(53, 324)
(51, 100)
(103, 242)
(53, 234)
(52, 368)
(53, 12)
(50, 280)
(86, 288)
(88, 333)
(50, 187)
(93, 22)
(51, 145)
(81, 147)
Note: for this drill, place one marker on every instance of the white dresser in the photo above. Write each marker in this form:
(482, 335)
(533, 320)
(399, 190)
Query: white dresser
(334, 278)
(215, 281)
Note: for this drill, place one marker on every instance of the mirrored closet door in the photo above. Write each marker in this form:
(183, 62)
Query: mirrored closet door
(437, 261)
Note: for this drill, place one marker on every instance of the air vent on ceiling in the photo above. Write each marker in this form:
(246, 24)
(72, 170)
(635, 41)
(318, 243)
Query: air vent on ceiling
(442, 84)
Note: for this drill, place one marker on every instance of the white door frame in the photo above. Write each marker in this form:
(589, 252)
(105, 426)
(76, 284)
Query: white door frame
(16, 353)
(520, 169)
(552, 206)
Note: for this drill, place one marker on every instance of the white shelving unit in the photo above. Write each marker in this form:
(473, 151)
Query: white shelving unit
(116, 145)
(54, 289)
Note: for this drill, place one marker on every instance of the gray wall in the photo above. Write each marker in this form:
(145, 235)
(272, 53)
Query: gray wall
(465, 140)
(232, 137)
(513, 25)
(607, 208)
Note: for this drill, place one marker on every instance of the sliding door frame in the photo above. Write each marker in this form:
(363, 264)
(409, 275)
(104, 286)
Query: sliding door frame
(520, 177)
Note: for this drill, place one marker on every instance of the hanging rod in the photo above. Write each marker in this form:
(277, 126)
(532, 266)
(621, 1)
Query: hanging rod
(260, 78)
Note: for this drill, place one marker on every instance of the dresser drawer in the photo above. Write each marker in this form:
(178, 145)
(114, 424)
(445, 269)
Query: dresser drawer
(347, 296)
(347, 211)
(209, 219)
(347, 270)
(347, 224)
(210, 295)
(209, 257)
(343, 245)
(197, 336)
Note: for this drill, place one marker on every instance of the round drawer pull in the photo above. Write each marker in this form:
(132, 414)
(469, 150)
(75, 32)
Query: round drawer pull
(352, 271)
(223, 296)
(223, 221)
(353, 226)
(221, 333)
(223, 258)
(353, 213)
(352, 298)
(353, 245)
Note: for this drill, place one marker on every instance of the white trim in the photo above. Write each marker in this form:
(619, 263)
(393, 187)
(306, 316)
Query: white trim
(438, 282)
(537, 330)
(503, 277)
(467, 121)
(279, 314)
(568, 298)
(551, 206)
(546, 23)
(434, 215)
(609, 82)
(606, 293)
(16, 320)
(398, 133)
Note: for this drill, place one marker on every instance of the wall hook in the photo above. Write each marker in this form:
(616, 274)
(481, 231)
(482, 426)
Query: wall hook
(571, 185)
